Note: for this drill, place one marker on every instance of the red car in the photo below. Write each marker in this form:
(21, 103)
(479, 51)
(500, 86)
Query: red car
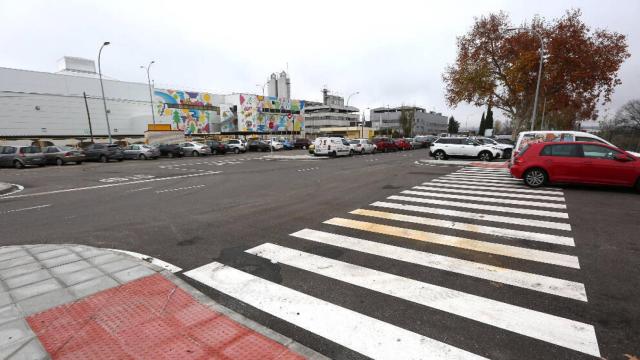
(385, 145)
(576, 162)
(403, 144)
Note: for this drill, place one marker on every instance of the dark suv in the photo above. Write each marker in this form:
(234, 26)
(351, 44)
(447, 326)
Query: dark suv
(217, 147)
(302, 143)
(171, 150)
(21, 156)
(103, 152)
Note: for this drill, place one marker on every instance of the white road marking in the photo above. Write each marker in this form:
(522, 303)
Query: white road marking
(18, 189)
(475, 216)
(363, 334)
(483, 175)
(163, 264)
(491, 193)
(111, 185)
(25, 209)
(556, 330)
(486, 199)
(473, 168)
(516, 185)
(141, 189)
(480, 180)
(485, 171)
(525, 280)
(508, 233)
(515, 189)
(546, 257)
(180, 188)
(513, 210)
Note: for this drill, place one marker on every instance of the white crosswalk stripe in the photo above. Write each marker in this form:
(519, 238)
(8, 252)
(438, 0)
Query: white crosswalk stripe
(463, 207)
(490, 193)
(553, 329)
(468, 205)
(514, 189)
(366, 335)
(541, 283)
(475, 216)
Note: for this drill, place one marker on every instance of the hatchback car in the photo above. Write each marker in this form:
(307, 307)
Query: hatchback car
(576, 162)
(21, 156)
(171, 150)
(193, 148)
(141, 152)
(362, 146)
(403, 144)
(103, 152)
(301, 143)
(61, 155)
(217, 147)
(385, 145)
(236, 145)
(258, 145)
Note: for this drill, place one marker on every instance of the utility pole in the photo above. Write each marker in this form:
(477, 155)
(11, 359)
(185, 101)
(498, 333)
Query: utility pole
(86, 104)
(104, 101)
(153, 115)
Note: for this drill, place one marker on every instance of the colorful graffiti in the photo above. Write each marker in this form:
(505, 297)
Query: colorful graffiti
(188, 111)
(269, 114)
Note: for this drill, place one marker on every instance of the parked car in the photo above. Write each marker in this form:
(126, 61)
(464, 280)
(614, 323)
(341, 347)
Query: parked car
(385, 145)
(442, 148)
(331, 146)
(425, 140)
(171, 150)
(362, 146)
(302, 143)
(141, 152)
(193, 148)
(539, 164)
(530, 137)
(275, 145)
(286, 144)
(236, 145)
(505, 141)
(103, 152)
(403, 144)
(21, 156)
(505, 148)
(414, 143)
(61, 155)
(217, 147)
(258, 145)
(312, 149)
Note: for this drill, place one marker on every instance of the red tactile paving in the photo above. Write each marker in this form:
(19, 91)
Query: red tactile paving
(150, 318)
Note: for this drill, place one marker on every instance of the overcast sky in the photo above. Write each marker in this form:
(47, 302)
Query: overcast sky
(392, 52)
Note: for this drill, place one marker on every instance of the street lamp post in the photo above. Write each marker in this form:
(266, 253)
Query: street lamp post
(349, 98)
(104, 101)
(535, 101)
(153, 115)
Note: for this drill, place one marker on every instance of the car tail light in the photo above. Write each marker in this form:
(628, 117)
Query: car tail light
(21, 154)
(68, 154)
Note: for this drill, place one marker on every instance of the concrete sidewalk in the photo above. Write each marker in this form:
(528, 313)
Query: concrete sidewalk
(79, 302)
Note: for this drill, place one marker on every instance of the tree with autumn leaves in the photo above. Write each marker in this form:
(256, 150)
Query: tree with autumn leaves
(498, 67)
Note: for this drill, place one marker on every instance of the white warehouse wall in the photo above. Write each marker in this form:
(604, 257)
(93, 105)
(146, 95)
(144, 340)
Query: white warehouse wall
(61, 106)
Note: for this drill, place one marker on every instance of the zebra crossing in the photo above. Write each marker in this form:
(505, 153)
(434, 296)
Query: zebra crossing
(481, 212)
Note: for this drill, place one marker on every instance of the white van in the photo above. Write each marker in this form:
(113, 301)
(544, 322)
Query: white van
(331, 146)
(528, 137)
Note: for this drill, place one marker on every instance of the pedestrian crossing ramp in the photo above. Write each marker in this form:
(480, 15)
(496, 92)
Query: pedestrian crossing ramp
(502, 256)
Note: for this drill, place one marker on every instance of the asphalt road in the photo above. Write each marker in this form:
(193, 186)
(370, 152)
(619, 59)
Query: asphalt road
(194, 211)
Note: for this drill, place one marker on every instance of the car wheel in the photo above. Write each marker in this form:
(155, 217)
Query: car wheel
(638, 186)
(170, 155)
(351, 152)
(535, 177)
(195, 153)
(236, 151)
(18, 164)
(142, 157)
(304, 147)
(214, 152)
(78, 162)
(361, 151)
(374, 151)
(485, 156)
(121, 159)
(440, 155)
(103, 159)
(59, 162)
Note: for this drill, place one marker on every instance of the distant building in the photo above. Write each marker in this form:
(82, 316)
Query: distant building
(424, 123)
(331, 113)
(279, 86)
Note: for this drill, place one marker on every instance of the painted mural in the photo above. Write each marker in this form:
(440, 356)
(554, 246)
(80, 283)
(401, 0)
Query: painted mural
(188, 111)
(268, 114)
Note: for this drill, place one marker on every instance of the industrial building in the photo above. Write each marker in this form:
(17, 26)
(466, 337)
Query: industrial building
(331, 113)
(387, 119)
(68, 104)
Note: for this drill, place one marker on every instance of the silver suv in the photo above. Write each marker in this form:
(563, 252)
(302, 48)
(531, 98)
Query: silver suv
(236, 145)
(444, 147)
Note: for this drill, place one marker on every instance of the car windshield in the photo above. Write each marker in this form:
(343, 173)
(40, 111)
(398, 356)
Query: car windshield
(354, 142)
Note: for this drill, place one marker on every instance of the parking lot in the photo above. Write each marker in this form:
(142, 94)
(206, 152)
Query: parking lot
(372, 242)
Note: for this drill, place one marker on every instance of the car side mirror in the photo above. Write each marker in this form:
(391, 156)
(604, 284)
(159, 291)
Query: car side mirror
(621, 157)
